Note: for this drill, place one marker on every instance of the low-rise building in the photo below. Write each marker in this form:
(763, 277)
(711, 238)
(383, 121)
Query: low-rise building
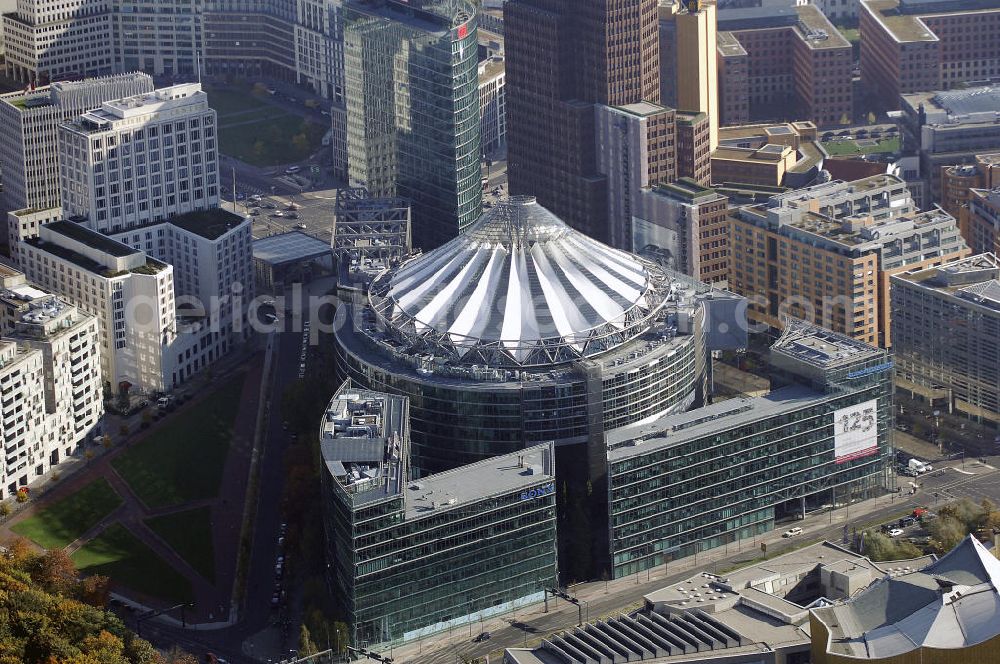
(286, 258)
(947, 611)
(946, 334)
(758, 614)
(947, 128)
(826, 253)
(763, 159)
(50, 376)
(410, 558)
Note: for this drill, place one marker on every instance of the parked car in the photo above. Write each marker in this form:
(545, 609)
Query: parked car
(895, 532)
(792, 532)
(482, 636)
(292, 170)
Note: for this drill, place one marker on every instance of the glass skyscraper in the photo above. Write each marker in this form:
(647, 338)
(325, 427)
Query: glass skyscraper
(412, 102)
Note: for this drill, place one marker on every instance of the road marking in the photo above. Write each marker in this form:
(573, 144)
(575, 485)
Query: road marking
(964, 472)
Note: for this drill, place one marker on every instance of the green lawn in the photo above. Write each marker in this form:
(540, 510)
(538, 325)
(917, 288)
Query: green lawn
(840, 148)
(59, 524)
(190, 535)
(184, 459)
(118, 554)
(228, 101)
(285, 139)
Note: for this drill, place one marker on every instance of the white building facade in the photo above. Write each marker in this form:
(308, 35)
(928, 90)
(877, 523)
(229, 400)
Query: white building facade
(50, 380)
(140, 160)
(29, 129)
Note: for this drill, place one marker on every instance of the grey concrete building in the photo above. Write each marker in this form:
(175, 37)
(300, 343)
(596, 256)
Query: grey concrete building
(946, 331)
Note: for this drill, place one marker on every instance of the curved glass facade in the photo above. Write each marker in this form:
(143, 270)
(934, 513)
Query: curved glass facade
(457, 421)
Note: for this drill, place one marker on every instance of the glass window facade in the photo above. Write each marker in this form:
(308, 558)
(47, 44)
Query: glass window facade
(674, 500)
(412, 100)
(401, 574)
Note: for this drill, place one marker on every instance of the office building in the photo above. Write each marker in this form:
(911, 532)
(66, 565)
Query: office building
(369, 235)
(826, 253)
(767, 158)
(636, 149)
(734, 80)
(947, 128)
(550, 114)
(839, 11)
(946, 323)
(983, 220)
(685, 227)
(957, 186)
(947, 611)
(783, 63)
(492, 106)
(161, 38)
(250, 38)
(140, 159)
(319, 48)
(50, 369)
(758, 614)
(48, 40)
(687, 482)
(697, 63)
(694, 152)
(29, 121)
(410, 558)
(145, 345)
(413, 128)
(910, 46)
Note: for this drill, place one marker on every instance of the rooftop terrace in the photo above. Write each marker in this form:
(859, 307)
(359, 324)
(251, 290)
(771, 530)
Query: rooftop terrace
(211, 224)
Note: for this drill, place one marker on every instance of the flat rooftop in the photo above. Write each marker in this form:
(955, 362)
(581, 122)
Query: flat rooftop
(975, 279)
(812, 26)
(92, 239)
(473, 482)
(902, 19)
(677, 429)
(821, 348)
(688, 189)
(211, 224)
(290, 247)
(642, 109)
(729, 46)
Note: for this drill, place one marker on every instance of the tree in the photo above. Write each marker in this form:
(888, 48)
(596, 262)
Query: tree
(844, 120)
(947, 532)
(22, 495)
(95, 591)
(878, 547)
(306, 645)
(5, 508)
(106, 441)
(871, 118)
(259, 90)
(301, 142)
(55, 572)
(177, 656)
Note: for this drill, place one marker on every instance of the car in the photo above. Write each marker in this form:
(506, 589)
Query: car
(919, 512)
(895, 532)
(300, 226)
(792, 532)
(292, 170)
(292, 206)
(281, 560)
(906, 521)
(274, 599)
(268, 205)
(281, 540)
(255, 212)
(482, 636)
(272, 91)
(256, 197)
(277, 213)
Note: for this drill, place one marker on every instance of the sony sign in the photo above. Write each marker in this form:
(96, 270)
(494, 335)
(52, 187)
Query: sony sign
(539, 491)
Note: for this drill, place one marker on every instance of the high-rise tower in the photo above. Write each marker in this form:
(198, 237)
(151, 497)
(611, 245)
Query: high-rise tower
(563, 57)
(697, 69)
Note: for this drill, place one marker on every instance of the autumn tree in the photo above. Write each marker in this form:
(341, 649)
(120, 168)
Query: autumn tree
(306, 645)
(55, 572)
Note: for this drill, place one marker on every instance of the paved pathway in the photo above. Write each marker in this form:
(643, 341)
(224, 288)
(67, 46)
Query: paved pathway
(212, 601)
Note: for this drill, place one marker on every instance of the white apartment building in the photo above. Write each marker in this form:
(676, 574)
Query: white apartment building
(50, 380)
(144, 346)
(48, 40)
(140, 160)
(319, 49)
(211, 252)
(492, 105)
(29, 130)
